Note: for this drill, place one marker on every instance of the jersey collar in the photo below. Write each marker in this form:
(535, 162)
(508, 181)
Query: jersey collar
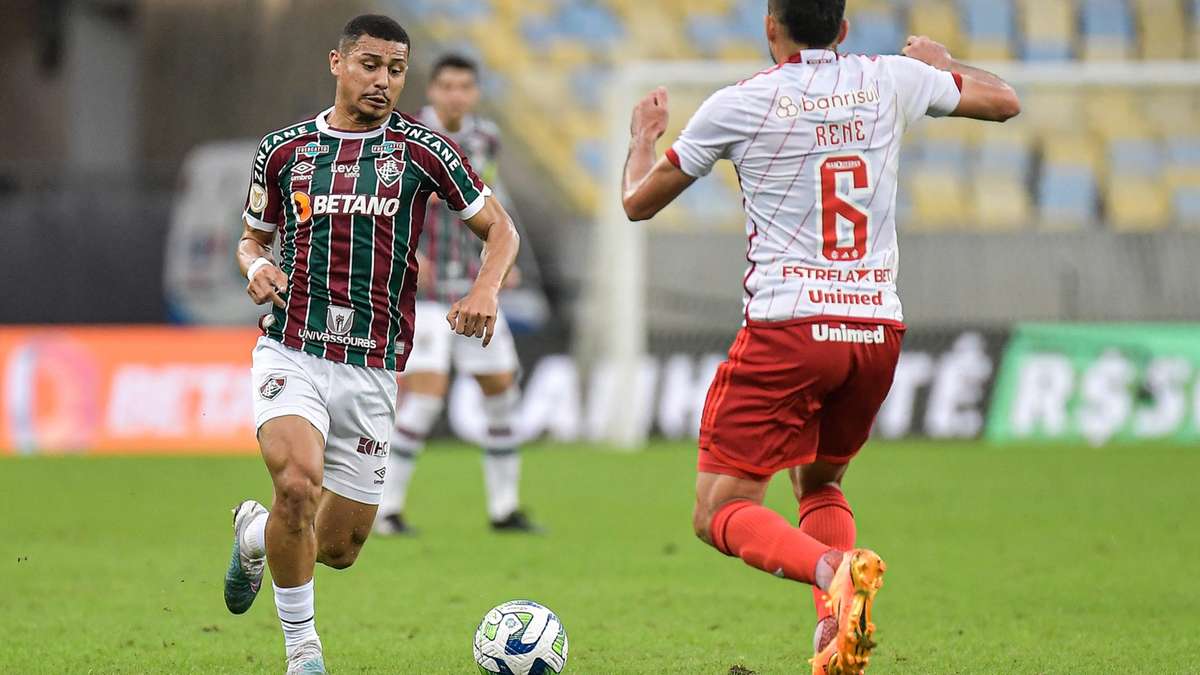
(813, 57)
(323, 127)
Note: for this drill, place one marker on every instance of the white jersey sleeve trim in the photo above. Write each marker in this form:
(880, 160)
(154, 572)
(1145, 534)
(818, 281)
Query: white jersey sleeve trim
(260, 225)
(476, 206)
(946, 95)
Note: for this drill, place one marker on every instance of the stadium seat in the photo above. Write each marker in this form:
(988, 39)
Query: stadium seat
(1000, 202)
(874, 30)
(1162, 27)
(939, 200)
(990, 29)
(1048, 27)
(937, 18)
(1108, 33)
(1067, 197)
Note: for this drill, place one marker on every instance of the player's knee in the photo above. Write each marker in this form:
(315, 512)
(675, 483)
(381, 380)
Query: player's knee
(702, 523)
(339, 557)
(296, 498)
(343, 553)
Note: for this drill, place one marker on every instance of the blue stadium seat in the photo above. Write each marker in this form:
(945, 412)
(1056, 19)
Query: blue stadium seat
(595, 25)
(988, 19)
(1186, 205)
(707, 32)
(1067, 196)
(874, 32)
(1107, 19)
(590, 154)
(1136, 156)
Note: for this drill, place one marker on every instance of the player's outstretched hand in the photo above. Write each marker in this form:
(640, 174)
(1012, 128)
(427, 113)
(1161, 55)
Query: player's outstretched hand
(474, 316)
(922, 48)
(650, 115)
(266, 286)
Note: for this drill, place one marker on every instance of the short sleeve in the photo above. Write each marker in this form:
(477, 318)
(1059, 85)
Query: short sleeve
(264, 201)
(451, 175)
(709, 135)
(923, 89)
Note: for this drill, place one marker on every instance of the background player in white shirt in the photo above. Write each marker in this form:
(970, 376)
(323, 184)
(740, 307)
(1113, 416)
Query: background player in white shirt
(815, 141)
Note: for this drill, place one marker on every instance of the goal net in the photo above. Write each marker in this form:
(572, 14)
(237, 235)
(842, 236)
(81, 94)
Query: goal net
(1084, 208)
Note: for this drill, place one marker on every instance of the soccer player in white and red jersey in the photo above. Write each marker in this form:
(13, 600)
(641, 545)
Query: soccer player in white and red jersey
(815, 141)
(346, 192)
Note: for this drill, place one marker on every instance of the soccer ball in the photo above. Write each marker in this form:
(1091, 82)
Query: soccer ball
(521, 638)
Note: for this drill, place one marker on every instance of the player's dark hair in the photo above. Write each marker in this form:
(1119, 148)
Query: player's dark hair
(813, 23)
(453, 62)
(375, 25)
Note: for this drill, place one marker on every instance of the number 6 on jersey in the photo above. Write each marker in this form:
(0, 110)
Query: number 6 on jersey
(832, 173)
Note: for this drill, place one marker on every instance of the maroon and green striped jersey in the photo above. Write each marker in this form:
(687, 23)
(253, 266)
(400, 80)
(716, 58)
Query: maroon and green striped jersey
(452, 251)
(349, 208)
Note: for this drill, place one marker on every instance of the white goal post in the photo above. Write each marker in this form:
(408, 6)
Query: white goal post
(613, 323)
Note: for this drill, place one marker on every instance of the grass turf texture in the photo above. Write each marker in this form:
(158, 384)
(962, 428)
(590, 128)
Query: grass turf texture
(1001, 560)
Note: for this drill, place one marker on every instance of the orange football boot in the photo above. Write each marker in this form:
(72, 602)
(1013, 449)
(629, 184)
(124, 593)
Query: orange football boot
(851, 595)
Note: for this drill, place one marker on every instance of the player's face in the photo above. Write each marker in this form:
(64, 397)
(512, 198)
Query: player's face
(454, 93)
(370, 76)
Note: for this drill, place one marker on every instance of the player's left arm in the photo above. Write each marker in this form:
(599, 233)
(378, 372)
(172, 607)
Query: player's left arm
(985, 96)
(649, 184)
(475, 314)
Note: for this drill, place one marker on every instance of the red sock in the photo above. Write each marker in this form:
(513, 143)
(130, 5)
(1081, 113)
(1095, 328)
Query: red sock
(826, 516)
(764, 539)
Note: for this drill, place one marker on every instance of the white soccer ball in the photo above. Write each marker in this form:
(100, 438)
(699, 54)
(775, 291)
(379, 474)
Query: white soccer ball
(521, 637)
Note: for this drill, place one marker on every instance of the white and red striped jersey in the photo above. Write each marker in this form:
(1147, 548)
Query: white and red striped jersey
(816, 142)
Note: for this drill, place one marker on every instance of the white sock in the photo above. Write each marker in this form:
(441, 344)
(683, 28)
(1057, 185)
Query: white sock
(296, 614)
(416, 417)
(254, 537)
(499, 410)
(401, 463)
(501, 463)
(501, 477)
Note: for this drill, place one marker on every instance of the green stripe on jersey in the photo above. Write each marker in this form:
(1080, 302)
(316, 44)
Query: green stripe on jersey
(362, 259)
(321, 249)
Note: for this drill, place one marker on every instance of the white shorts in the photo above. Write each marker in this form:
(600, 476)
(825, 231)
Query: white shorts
(435, 347)
(353, 407)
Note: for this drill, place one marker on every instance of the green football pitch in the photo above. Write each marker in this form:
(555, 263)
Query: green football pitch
(1001, 560)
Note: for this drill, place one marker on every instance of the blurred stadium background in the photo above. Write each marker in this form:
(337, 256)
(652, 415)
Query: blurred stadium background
(1049, 265)
(123, 172)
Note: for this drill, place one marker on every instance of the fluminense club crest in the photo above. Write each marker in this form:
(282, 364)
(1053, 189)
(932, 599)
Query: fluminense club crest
(389, 170)
(271, 387)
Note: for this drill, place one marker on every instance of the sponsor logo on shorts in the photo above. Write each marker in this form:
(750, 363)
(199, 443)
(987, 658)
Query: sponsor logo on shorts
(381, 472)
(271, 387)
(372, 448)
(823, 332)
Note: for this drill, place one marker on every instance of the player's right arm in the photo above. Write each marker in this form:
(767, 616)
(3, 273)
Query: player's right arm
(985, 96)
(265, 281)
(264, 211)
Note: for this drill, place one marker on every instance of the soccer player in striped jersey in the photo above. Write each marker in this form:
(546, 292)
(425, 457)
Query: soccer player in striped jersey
(345, 194)
(815, 141)
(449, 261)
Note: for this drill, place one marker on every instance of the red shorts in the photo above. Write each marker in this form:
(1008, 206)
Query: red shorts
(794, 392)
